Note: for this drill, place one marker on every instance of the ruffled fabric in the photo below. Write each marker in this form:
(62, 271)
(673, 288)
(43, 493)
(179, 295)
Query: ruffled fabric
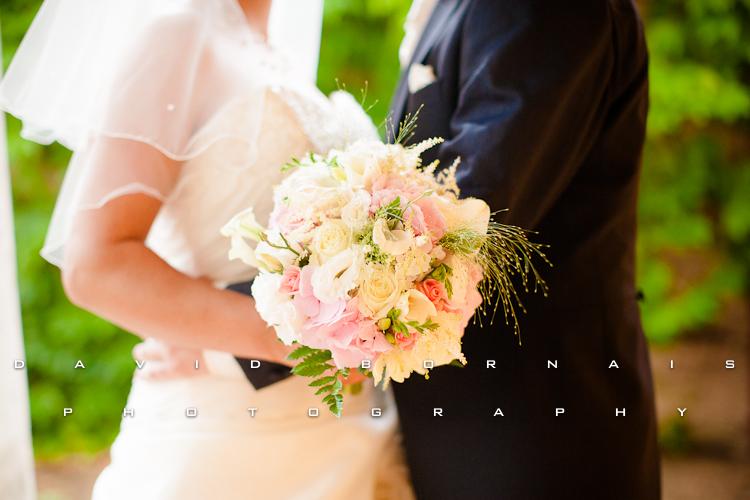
(173, 92)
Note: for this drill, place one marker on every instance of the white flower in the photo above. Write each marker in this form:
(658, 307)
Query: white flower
(437, 252)
(360, 162)
(290, 323)
(244, 224)
(240, 228)
(304, 180)
(276, 308)
(379, 291)
(395, 364)
(356, 213)
(391, 241)
(270, 257)
(442, 345)
(415, 306)
(329, 239)
(469, 213)
(312, 191)
(413, 264)
(239, 249)
(334, 280)
(399, 158)
(459, 277)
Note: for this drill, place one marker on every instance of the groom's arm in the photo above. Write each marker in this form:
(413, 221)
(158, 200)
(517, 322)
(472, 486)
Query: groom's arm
(534, 79)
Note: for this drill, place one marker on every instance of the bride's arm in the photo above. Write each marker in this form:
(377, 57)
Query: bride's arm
(109, 270)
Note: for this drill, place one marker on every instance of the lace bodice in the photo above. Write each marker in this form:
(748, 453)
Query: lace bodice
(225, 111)
(229, 175)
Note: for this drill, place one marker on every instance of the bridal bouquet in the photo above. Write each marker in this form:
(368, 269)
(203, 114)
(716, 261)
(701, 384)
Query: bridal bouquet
(370, 261)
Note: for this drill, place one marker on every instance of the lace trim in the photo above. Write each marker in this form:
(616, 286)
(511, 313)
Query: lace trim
(315, 119)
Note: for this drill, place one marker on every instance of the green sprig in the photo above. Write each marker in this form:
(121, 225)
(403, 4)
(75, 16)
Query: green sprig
(316, 363)
(442, 273)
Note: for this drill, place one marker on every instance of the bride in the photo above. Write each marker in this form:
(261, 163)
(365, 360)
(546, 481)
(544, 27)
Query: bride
(180, 114)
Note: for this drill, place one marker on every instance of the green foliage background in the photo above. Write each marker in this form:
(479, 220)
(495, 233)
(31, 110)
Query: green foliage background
(694, 209)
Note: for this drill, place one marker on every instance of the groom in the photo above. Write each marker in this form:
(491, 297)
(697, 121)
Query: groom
(545, 102)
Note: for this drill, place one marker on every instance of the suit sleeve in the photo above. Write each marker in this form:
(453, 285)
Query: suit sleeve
(533, 78)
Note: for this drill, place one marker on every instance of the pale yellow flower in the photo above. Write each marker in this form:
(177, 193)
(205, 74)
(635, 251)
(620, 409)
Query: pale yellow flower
(379, 290)
(329, 239)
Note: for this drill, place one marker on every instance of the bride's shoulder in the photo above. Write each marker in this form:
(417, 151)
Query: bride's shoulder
(171, 38)
(173, 21)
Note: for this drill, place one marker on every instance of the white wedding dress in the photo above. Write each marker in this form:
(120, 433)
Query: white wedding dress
(190, 79)
(224, 452)
(116, 82)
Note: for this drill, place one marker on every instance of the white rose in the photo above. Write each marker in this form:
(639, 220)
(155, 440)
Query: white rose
(392, 241)
(276, 308)
(334, 280)
(379, 291)
(306, 179)
(267, 298)
(290, 323)
(356, 213)
(329, 239)
(324, 203)
(355, 168)
(415, 306)
(312, 189)
(359, 162)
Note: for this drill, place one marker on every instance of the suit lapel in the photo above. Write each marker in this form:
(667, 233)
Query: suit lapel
(429, 37)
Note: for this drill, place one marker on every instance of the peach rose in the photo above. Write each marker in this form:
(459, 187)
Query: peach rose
(435, 291)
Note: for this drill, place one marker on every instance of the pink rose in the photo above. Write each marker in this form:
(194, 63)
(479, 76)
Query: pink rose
(433, 218)
(435, 291)
(396, 183)
(385, 196)
(304, 301)
(290, 280)
(406, 342)
(284, 219)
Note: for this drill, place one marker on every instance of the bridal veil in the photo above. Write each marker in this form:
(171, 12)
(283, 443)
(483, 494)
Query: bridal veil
(106, 78)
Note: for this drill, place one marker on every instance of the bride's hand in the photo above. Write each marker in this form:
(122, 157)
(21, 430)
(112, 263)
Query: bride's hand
(278, 352)
(161, 361)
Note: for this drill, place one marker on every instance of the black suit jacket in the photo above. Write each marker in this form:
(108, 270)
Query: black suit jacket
(545, 101)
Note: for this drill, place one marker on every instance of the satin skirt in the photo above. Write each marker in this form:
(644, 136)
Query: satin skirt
(225, 453)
